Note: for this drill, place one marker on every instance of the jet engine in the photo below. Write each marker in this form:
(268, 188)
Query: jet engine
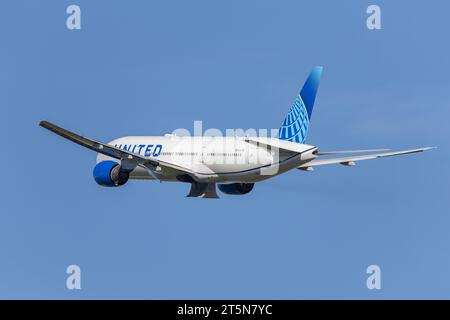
(110, 174)
(236, 188)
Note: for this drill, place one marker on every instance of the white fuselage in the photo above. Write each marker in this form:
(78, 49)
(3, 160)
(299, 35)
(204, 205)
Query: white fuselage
(214, 159)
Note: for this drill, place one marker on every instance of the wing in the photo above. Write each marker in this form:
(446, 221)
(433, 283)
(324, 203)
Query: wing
(128, 159)
(351, 160)
(99, 147)
(327, 153)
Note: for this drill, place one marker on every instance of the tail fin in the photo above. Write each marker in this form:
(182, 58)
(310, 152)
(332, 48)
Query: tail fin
(296, 123)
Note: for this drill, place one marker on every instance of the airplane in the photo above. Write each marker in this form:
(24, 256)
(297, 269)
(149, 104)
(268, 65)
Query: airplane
(234, 163)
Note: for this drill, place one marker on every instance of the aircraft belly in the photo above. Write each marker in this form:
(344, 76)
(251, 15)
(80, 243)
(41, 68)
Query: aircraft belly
(224, 173)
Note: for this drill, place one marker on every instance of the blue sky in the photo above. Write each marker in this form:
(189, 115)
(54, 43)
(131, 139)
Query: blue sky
(149, 67)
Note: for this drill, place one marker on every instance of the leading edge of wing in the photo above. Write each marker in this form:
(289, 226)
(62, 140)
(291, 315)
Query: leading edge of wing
(329, 153)
(96, 146)
(348, 160)
(126, 157)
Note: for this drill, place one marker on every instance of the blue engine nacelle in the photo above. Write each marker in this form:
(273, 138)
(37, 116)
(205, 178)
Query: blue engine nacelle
(236, 188)
(110, 174)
